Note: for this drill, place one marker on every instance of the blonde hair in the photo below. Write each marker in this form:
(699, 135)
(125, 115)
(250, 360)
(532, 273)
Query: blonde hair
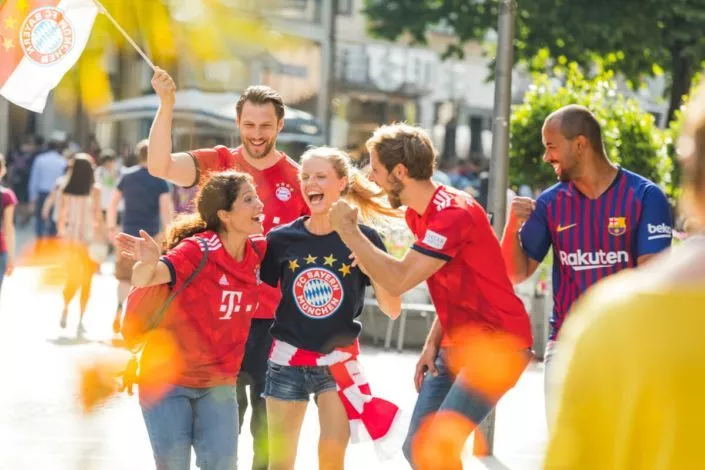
(365, 195)
(691, 153)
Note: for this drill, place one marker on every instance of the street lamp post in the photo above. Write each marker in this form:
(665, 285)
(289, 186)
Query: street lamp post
(499, 164)
(329, 13)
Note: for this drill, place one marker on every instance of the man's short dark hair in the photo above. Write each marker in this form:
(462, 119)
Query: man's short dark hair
(261, 95)
(575, 120)
(142, 151)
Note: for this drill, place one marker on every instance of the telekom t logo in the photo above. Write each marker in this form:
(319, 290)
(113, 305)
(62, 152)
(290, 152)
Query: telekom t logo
(230, 303)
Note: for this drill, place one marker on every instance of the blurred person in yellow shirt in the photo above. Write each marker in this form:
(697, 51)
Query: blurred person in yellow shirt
(630, 368)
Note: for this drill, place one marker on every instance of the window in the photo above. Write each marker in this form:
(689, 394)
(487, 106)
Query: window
(345, 7)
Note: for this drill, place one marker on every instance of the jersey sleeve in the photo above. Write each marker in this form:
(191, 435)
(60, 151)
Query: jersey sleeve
(269, 270)
(448, 231)
(654, 232)
(206, 161)
(182, 261)
(535, 236)
(121, 183)
(162, 187)
(8, 198)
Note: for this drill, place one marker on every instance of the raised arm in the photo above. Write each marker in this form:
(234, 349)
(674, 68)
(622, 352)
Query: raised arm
(179, 168)
(520, 266)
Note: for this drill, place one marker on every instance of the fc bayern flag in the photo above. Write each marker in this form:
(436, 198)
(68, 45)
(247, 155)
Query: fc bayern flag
(40, 40)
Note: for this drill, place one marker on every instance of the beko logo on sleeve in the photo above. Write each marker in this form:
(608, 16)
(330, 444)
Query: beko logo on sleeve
(659, 231)
(434, 240)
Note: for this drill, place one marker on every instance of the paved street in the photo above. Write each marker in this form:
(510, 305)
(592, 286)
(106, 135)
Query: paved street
(42, 426)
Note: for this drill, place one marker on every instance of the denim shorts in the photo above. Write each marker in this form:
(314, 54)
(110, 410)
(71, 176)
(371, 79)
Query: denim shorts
(290, 383)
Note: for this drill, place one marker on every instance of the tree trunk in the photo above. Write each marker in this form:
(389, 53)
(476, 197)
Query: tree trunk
(681, 76)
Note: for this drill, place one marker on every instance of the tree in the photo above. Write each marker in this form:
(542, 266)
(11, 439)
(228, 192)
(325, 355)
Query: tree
(676, 127)
(630, 134)
(636, 38)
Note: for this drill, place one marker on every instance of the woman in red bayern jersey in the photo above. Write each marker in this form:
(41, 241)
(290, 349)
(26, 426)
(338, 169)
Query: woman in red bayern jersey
(207, 331)
(260, 117)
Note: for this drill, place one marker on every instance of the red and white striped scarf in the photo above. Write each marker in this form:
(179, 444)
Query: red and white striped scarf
(370, 418)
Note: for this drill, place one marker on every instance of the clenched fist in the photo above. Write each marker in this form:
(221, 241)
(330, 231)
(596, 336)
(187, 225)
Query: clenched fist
(164, 86)
(521, 209)
(343, 217)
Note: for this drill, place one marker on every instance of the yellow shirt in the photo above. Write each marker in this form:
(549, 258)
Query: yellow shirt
(631, 375)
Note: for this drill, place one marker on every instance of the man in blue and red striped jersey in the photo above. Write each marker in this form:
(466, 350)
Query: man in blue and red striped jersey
(600, 218)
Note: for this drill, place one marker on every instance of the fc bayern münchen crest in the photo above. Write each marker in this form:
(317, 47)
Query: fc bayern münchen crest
(283, 192)
(318, 293)
(46, 36)
(617, 226)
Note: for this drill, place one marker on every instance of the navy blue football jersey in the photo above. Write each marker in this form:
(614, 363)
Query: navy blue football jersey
(322, 293)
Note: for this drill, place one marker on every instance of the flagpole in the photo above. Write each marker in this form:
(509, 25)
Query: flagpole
(102, 9)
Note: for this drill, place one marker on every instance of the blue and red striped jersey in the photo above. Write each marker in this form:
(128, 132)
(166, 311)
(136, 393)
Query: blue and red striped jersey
(594, 238)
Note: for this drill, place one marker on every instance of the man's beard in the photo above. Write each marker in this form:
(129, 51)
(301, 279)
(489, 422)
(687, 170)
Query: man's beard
(267, 148)
(566, 174)
(394, 191)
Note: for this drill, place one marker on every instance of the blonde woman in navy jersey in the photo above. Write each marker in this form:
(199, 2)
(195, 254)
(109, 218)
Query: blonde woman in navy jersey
(315, 329)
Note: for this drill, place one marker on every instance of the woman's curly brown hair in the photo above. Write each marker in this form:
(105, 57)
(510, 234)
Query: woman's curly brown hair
(218, 193)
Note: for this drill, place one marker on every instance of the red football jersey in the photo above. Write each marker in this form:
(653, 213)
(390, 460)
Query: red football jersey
(212, 321)
(472, 288)
(279, 189)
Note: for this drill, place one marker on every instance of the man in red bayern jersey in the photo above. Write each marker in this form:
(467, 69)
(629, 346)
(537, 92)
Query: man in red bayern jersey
(479, 343)
(260, 118)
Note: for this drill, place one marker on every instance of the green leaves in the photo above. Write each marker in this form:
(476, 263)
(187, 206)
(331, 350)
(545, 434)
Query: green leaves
(636, 38)
(464, 19)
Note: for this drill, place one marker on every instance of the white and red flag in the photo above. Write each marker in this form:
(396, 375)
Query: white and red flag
(40, 40)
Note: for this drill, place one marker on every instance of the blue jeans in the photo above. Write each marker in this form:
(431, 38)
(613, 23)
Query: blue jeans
(445, 392)
(205, 418)
(548, 383)
(294, 383)
(254, 373)
(43, 228)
